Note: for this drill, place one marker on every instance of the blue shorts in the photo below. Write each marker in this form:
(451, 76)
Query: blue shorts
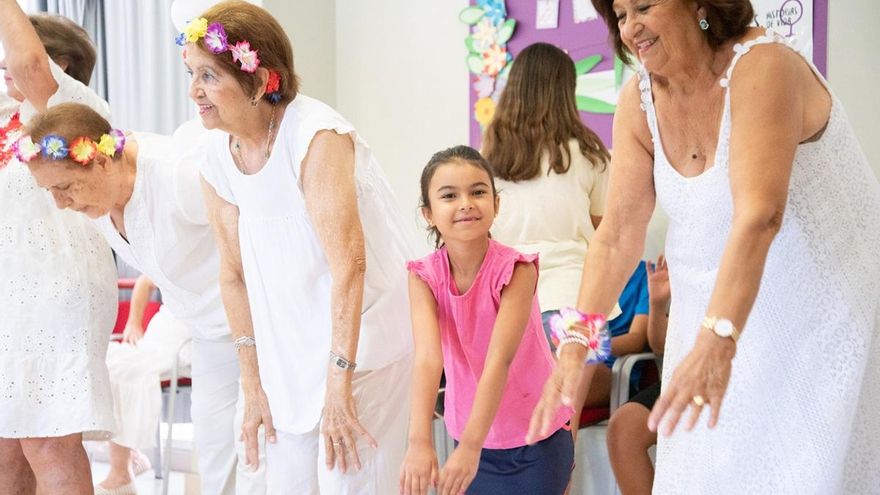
(543, 468)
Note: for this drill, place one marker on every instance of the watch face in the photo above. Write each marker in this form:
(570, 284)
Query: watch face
(724, 327)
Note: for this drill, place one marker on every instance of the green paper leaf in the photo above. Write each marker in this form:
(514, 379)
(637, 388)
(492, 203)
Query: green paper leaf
(469, 44)
(505, 32)
(585, 65)
(475, 63)
(618, 72)
(505, 71)
(592, 105)
(471, 15)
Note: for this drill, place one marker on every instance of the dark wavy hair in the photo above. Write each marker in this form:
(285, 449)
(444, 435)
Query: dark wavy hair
(727, 19)
(455, 154)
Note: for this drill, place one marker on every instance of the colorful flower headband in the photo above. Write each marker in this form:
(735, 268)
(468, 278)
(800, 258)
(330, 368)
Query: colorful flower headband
(81, 150)
(217, 43)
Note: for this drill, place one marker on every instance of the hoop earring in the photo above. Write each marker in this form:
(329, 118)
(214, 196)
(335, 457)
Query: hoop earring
(704, 24)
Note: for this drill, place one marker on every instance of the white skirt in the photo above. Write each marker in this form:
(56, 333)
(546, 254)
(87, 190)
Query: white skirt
(58, 298)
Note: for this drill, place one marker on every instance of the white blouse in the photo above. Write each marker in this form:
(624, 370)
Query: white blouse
(550, 215)
(169, 237)
(288, 277)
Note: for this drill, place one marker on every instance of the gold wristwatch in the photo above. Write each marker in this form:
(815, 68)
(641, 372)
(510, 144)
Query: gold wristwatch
(722, 327)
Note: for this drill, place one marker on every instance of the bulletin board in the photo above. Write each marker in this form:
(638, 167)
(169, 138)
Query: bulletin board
(499, 29)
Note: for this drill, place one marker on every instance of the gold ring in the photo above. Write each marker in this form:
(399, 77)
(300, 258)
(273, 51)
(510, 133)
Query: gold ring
(699, 400)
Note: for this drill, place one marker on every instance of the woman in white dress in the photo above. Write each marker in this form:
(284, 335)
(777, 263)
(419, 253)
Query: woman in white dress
(143, 193)
(313, 261)
(57, 280)
(773, 220)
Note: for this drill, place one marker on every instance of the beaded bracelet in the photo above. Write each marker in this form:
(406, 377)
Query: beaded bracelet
(590, 330)
(244, 341)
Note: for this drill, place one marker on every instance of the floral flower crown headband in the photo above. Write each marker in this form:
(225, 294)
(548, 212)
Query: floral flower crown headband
(217, 43)
(81, 150)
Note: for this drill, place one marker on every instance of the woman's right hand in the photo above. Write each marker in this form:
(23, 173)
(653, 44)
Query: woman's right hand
(256, 413)
(420, 470)
(132, 334)
(559, 390)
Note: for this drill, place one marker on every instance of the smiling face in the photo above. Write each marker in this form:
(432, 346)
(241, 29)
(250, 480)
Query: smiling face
(661, 33)
(462, 203)
(221, 99)
(83, 189)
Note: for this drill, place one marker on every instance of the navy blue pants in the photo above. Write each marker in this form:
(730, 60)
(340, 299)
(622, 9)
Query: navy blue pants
(543, 468)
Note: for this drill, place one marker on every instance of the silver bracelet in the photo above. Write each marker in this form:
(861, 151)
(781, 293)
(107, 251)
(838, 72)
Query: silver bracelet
(244, 341)
(341, 362)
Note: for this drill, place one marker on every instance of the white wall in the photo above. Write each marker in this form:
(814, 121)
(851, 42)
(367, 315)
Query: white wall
(854, 68)
(311, 26)
(403, 83)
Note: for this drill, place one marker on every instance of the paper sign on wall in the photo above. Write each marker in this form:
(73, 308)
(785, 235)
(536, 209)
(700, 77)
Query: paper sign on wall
(583, 11)
(547, 14)
(790, 18)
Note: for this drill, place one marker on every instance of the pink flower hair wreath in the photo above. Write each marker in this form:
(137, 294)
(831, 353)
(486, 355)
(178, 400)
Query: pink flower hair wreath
(217, 42)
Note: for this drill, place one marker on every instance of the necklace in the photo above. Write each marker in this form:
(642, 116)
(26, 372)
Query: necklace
(236, 146)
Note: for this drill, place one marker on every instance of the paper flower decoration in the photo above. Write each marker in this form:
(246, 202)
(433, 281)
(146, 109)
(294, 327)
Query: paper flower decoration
(83, 150)
(484, 34)
(274, 81)
(215, 38)
(494, 59)
(496, 11)
(180, 39)
(195, 29)
(25, 149)
(54, 147)
(484, 111)
(484, 86)
(242, 53)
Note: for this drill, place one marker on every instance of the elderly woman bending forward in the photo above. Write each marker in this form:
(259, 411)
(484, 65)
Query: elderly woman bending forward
(312, 262)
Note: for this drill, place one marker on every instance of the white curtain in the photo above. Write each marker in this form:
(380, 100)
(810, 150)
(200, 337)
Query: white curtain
(139, 70)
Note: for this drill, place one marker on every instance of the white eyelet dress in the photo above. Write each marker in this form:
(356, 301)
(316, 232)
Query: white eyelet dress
(58, 303)
(800, 414)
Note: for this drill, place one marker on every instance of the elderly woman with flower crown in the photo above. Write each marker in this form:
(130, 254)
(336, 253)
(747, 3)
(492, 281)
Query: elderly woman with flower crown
(143, 193)
(58, 282)
(312, 261)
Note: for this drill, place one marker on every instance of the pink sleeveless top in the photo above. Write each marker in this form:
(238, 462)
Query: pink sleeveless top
(466, 323)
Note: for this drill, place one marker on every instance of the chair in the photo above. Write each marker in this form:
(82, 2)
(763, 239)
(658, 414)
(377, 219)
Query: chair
(177, 388)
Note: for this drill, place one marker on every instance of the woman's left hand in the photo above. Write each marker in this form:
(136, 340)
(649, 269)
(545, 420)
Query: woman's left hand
(340, 425)
(459, 471)
(700, 380)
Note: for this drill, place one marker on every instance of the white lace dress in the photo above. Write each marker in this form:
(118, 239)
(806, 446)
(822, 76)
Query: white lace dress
(800, 415)
(57, 305)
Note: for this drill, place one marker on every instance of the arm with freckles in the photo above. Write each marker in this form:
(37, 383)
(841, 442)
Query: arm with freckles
(767, 109)
(615, 249)
(507, 333)
(328, 183)
(224, 220)
(26, 58)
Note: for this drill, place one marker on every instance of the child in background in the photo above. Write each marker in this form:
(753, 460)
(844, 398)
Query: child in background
(628, 435)
(475, 314)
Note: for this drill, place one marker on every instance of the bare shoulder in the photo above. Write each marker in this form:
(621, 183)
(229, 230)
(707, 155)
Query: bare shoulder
(630, 116)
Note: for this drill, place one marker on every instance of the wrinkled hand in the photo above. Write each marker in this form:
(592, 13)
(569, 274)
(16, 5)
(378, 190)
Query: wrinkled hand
(419, 470)
(256, 413)
(704, 372)
(459, 470)
(559, 390)
(658, 281)
(132, 334)
(340, 425)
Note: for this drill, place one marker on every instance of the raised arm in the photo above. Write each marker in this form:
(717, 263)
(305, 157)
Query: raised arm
(224, 220)
(768, 93)
(328, 184)
(26, 59)
(507, 333)
(615, 249)
(419, 469)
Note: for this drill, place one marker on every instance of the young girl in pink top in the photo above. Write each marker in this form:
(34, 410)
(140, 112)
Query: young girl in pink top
(475, 314)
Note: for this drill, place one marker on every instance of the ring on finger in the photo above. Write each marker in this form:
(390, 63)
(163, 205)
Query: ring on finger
(698, 400)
